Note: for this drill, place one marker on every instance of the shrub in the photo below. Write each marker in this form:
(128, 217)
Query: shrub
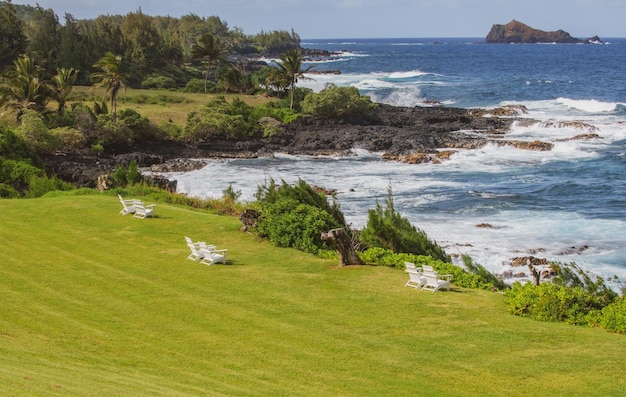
(124, 176)
(221, 119)
(159, 82)
(71, 138)
(337, 102)
(288, 223)
(386, 228)
(197, 85)
(550, 302)
(614, 316)
(34, 132)
(40, 185)
(296, 216)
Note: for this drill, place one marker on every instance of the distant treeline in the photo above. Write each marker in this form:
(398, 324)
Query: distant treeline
(149, 45)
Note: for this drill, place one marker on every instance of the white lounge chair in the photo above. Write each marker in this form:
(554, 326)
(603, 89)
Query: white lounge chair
(143, 211)
(196, 247)
(415, 275)
(211, 256)
(128, 206)
(434, 282)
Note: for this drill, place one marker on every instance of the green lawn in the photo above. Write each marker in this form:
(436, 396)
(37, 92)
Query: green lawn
(98, 304)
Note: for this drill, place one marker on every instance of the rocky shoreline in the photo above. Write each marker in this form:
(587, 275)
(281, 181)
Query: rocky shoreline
(414, 135)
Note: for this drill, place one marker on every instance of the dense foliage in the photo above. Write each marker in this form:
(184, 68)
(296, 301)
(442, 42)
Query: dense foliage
(388, 229)
(337, 102)
(296, 216)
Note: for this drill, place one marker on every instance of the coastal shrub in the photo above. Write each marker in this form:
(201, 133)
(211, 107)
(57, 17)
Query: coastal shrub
(7, 191)
(18, 173)
(613, 317)
(288, 223)
(127, 175)
(388, 229)
(70, 138)
(109, 131)
(551, 302)
(220, 119)
(296, 216)
(572, 275)
(35, 134)
(197, 86)
(336, 102)
(159, 82)
(303, 193)
(40, 185)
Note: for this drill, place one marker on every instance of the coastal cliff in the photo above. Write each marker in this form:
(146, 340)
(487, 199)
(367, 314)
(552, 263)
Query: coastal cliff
(518, 32)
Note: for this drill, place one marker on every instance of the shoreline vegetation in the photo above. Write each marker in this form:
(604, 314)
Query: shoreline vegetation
(105, 292)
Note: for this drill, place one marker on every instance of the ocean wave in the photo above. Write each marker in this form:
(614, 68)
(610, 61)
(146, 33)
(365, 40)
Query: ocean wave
(589, 105)
(407, 75)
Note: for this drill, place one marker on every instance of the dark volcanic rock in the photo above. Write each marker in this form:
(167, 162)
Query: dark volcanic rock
(401, 133)
(517, 32)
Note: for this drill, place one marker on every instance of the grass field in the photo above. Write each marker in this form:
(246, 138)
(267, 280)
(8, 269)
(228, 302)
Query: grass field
(98, 304)
(163, 106)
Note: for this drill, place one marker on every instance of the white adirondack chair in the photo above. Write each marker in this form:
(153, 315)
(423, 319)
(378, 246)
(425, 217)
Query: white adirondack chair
(434, 282)
(211, 255)
(196, 247)
(416, 279)
(144, 211)
(128, 206)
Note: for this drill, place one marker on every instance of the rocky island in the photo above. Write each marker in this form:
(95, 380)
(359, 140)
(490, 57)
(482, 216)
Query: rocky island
(518, 32)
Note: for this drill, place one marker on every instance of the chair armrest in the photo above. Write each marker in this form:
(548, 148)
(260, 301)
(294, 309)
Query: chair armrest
(219, 251)
(150, 206)
(448, 277)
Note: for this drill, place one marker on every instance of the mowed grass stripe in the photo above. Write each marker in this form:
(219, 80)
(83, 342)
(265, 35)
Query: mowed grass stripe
(95, 303)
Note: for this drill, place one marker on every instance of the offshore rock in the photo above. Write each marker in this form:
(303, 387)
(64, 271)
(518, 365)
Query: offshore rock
(518, 32)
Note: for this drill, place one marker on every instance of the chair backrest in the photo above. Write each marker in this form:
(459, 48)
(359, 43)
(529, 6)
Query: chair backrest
(427, 268)
(409, 265)
(188, 240)
(431, 279)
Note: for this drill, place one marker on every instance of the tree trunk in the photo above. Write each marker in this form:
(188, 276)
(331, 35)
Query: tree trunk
(343, 244)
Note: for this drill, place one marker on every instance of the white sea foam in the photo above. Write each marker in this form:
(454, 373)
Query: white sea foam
(589, 106)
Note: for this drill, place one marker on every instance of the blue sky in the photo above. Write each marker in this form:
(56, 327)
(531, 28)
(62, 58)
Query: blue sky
(313, 19)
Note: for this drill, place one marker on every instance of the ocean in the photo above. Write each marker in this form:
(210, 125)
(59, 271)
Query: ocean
(566, 205)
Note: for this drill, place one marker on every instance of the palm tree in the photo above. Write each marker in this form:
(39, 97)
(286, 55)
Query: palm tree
(210, 49)
(22, 89)
(64, 83)
(110, 76)
(291, 66)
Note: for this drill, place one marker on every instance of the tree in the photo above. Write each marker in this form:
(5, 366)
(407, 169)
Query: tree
(64, 83)
(210, 49)
(110, 76)
(290, 65)
(145, 43)
(12, 38)
(43, 32)
(22, 88)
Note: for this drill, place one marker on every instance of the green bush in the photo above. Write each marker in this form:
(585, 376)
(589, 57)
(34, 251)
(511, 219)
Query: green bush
(34, 132)
(40, 185)
(550, 302)
(296, 216)
(161, 82)
(614, 316)
(197, 86)
(336, 102)
(388, 229)
(70, 138)
(125, 176)
(288, 223)
(221, 119)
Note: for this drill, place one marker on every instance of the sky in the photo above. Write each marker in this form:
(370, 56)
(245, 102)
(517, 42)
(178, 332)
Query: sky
(319, 19)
